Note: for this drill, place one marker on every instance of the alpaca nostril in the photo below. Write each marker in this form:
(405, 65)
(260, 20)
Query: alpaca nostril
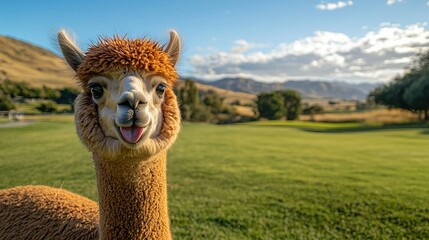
(131, 104)
(132, 99)
(125, 104)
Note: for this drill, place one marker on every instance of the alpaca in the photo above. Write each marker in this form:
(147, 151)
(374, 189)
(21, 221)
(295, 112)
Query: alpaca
(127, 116)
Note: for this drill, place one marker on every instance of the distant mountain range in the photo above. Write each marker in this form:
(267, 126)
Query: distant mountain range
(308, 88)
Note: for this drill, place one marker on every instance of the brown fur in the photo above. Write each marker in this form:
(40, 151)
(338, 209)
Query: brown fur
(40, 212)
(131, 182)
(133, 198)
(116, 53)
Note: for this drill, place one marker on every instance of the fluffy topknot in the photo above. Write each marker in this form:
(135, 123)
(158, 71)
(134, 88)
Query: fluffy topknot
(111, 54)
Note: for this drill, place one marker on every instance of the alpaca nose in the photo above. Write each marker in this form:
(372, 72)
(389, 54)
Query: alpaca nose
(132, 92)
(132, 99)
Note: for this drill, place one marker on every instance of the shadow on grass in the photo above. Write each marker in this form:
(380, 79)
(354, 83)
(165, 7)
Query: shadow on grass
(230, 223)
(348, 127)
(368, 128)
(425, 132)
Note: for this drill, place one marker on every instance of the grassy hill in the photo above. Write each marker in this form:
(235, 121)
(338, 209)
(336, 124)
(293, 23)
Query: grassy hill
(24, 62)
(283, 182)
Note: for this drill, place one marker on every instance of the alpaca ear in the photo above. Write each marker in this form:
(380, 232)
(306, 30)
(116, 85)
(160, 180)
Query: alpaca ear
(72, 53)
(173, 47)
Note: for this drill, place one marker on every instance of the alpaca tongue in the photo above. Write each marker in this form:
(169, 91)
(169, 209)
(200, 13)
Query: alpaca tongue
(131, 134)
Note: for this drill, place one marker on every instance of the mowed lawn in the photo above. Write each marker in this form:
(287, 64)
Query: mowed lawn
(281, 181)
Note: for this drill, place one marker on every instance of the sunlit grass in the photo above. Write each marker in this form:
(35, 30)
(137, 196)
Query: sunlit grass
(258, 182)
(4, 119)
(302, 124)
(50, 118)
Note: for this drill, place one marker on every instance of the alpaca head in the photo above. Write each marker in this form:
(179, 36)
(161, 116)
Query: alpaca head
(127, 107)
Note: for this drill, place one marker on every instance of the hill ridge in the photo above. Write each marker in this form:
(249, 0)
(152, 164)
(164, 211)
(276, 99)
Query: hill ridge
(24, 62)
(308, 88)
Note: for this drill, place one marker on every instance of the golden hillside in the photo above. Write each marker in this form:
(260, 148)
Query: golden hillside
(24, 62)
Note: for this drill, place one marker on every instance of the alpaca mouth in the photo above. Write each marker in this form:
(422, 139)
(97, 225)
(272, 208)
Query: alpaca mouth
(131, 134)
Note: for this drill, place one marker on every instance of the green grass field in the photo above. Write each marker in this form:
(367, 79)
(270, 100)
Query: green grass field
(259, 181)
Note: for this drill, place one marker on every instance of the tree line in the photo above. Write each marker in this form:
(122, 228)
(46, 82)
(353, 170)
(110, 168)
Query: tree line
(408, 91)
(10, 90)
(195, 105)
(198, 106)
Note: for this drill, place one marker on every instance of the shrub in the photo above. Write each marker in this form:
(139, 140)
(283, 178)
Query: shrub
(5, 103)
(312, 109)
(47, 107)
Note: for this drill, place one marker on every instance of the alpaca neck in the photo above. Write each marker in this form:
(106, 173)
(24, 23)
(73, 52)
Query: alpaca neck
(133, 198)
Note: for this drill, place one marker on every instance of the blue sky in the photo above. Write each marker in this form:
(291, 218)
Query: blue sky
(266, 40)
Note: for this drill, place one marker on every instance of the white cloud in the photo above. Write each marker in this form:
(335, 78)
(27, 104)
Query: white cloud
(427, 4)
(377, 56)
(403, 60)
(390, 2)
(242, 46)
(333, 5)
(388, 24)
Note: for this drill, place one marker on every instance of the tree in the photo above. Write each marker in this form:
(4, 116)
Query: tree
(5, 103)
(214, 102)
(67, 96)
(271, 105)
(278, 104)
(417, 94)
(200, 113)
(292, 103)
(194, 109)
(23, 89)
(312, 109)
(47, 107)
(49, 93)
(188, 99)
(216, 105)
(409, 91)
(188, 94)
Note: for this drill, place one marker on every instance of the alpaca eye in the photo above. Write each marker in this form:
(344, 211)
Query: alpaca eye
(96, 90)
(160, 89)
